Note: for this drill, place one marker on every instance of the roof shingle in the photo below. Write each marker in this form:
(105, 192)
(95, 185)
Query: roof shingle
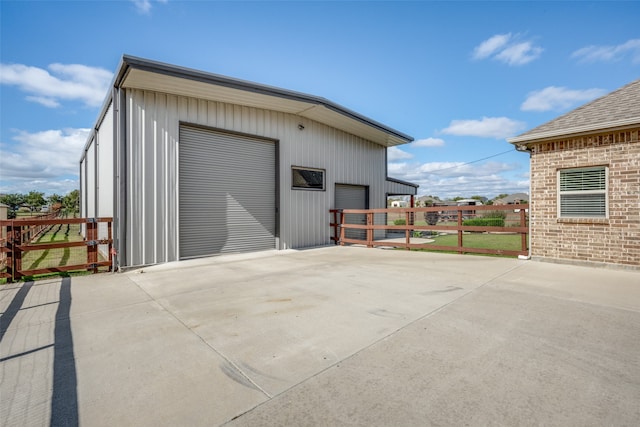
(611, 110)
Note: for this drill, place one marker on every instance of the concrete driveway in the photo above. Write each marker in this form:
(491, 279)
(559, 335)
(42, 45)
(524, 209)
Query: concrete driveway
(328, 336)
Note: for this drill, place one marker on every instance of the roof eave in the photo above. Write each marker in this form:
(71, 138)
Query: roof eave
(128, 63)
(575, 131)
(399, 181)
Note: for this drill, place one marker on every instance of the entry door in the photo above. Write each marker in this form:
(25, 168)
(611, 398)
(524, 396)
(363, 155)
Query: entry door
(353, 197)
(227, 193)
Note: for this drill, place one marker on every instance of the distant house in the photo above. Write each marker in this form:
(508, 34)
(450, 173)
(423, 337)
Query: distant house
(585, 182)
(468, 202)
(427, 200)
(512, 199)
(192, 164)
(398, 204)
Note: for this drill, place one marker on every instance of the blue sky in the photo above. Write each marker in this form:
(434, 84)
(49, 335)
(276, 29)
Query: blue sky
(460, 77)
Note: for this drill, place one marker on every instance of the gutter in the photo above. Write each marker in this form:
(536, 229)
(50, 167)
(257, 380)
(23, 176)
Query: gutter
(524, 148)
(590, 128)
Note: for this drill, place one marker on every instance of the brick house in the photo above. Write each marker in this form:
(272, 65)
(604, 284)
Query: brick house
(585, 182)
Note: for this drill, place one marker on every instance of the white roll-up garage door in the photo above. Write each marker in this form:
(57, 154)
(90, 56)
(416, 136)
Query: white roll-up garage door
(227, 187)
(353, 197)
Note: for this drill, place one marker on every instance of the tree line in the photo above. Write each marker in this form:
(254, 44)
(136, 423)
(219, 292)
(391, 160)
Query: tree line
(34, 201)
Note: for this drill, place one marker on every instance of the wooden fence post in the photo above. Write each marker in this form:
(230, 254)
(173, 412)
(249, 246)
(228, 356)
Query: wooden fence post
(369, 230)
(407, 232)
(342, 235)
(92, 248)
(17, 253)
(460, 231)
(10, 257)
(523, 223)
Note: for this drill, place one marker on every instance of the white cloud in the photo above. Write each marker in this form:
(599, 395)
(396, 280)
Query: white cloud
(44, 161)
(487, 127)
(558, 98)
(456, 169)
(61, 82)
(47, 102)
(451, 179)
(609, 53)
(519, 54)
(144, 6)
(397, 169)
(507, 48)
(491, 45)
(428, 142)
(394, 153)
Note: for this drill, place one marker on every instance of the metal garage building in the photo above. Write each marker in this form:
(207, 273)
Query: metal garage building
(194, 164)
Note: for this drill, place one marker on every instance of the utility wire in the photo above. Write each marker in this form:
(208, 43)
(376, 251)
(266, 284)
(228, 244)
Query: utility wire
(468, 163)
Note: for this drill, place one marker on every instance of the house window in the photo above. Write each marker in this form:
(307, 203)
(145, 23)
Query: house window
(307, 178)
(582, 192)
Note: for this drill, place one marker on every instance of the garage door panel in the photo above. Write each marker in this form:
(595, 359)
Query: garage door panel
(227, 193)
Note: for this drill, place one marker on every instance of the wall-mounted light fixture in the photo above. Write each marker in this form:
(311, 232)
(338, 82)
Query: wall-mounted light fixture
(300, 126)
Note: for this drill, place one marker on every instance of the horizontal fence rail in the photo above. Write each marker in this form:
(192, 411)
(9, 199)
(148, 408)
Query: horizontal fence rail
(374, 227)
(20, 237)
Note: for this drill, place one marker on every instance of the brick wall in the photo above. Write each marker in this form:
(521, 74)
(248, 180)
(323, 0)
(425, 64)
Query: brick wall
(614, 240)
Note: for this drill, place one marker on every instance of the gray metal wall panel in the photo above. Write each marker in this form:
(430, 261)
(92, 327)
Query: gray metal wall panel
(227, 193)
(91, 180)
(393, 187)
(105, 165)
(83, 192)
(83, 188)
(104, 143)
(304, 215)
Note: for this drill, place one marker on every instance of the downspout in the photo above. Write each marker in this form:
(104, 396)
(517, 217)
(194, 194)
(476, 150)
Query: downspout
(528, 256)
(530, 209)
(80, 189)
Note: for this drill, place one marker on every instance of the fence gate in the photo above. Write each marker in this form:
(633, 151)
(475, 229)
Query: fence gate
(20, 238)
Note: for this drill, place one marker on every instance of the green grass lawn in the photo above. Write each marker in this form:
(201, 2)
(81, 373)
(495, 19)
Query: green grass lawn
(46, 258)
(507, 242)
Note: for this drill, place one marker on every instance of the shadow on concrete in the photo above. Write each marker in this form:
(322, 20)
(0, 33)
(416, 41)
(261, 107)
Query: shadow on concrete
(14, 308)
(64, 398)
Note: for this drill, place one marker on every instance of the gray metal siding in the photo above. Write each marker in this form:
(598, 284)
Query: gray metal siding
(393, 187)
(105, 175)
(83, 189)
(90, 176)
(105, 165)
(227, 193)
(152, 169)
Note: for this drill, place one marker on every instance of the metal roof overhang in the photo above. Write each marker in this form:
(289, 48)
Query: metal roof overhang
(137, 73)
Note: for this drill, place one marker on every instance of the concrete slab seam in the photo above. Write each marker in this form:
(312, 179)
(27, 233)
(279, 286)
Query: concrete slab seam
(426, 315)
(215, 350)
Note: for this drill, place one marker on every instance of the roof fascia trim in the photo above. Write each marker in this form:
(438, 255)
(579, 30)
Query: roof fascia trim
(142, 64)
(596, 127)
(399, 181)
